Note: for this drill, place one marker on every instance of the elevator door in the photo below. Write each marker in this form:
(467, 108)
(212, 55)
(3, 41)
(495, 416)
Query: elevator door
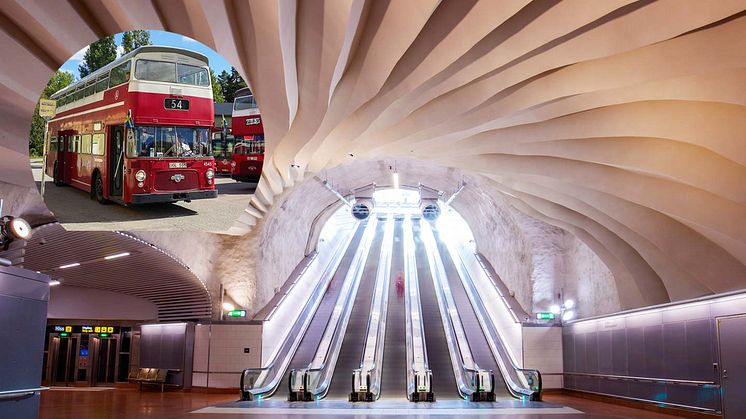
(105, 360)
(64, 360)
(732, 340)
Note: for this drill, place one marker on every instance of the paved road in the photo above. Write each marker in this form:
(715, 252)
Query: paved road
(76, 211)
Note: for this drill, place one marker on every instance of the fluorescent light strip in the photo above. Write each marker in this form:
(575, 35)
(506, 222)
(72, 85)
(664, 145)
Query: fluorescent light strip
(396, 180)
(118, 255)
(71, 265)
(54, 282)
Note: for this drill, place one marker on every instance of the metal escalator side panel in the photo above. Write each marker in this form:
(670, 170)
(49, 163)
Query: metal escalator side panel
(503, 365)
(393, 379)
(284, 360)
(323, 364)
(375, 331)
(353, 345)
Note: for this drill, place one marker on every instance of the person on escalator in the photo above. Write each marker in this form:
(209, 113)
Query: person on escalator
(400, 285)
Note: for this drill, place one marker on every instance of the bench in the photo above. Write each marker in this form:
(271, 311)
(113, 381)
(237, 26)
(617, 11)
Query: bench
(156, 376)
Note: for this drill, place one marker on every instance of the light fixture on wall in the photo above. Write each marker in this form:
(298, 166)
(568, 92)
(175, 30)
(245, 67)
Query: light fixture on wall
(12, 228)
(565, 310)
(228, 306)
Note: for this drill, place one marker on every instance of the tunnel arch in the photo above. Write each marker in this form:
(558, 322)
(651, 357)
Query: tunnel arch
(568, 119)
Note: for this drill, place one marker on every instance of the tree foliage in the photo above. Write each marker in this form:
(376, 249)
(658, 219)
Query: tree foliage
(99, 54)
(59, 80)
(230, 83)
(135, 39)
(217, 90)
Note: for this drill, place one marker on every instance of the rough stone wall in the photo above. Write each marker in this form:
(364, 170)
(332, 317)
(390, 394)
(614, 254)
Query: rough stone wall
(588, 280)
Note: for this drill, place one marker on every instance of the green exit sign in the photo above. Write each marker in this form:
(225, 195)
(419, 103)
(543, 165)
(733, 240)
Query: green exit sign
(545, 316)
(64, 335)
(237, 313)
(103, 335)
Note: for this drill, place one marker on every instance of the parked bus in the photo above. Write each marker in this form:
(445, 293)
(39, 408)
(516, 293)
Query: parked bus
(248, 152)
(222, 150)
(137, 130)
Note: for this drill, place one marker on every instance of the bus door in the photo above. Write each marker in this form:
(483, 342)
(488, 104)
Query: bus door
(61, 169)
(116, 160)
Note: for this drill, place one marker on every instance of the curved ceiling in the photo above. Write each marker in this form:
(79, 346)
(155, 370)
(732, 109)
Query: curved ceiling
(620, 121)
(178, 294)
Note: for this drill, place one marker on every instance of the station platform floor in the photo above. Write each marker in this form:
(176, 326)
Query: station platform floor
(129, 403)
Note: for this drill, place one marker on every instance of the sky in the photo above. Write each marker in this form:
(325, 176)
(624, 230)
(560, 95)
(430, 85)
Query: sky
(217, 62)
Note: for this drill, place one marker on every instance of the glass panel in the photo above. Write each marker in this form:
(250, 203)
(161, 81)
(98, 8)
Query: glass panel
(155, 71)
(103, 83)
(250, 145)
(53, 144)
(97, 146)
(90, 89)
(189, 74)
(171, 142)
(86, 144)
(120, 74)
(78, 94)
(244, 102)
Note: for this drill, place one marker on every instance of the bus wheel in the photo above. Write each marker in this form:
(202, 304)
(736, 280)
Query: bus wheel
(98, 189)
(56, 175)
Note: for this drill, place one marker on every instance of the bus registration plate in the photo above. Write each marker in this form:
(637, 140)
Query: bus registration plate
(177, 165)
(176, 104)
(253, 121)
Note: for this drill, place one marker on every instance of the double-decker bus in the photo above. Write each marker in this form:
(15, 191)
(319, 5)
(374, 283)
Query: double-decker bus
(137, 130)
(222, 149)
(248, 152)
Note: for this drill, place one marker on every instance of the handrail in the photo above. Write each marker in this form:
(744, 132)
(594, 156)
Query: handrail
(268, 377)
(456, 350)
(320, 376)
(521, 382)
(412, 298)
(21, 393)
(383, 284)
(651, 379)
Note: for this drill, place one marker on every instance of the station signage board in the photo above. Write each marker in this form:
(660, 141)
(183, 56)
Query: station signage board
(545, 316)
(85, 329)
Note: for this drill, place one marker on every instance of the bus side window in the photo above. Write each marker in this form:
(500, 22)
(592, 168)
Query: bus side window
(53, 144)
(97, 146)
(86, 149)
(120, 74)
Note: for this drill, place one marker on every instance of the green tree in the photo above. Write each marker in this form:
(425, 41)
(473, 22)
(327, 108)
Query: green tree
(99, 54)
(217, 90)
(59, 80)
(230, 83)
(135, 39)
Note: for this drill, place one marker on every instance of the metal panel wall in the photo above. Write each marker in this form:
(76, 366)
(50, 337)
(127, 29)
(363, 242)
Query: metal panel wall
(666, 355)
(170, 346)
(23, 317)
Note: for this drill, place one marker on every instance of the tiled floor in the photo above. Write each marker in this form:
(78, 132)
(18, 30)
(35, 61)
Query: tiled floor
(129, 403)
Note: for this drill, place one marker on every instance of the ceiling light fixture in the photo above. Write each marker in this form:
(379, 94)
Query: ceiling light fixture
(70, 265)
(395, 177)
(118, 255)
(54, 282)
(228, 306)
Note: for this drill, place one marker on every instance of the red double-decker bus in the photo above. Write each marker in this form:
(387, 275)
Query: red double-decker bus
(222, 149)
(137, 130)
(248, 152)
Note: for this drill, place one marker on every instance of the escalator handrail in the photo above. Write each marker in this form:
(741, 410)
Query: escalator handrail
(303, 320)
(412, 286)
(498, 347)
(463, 384)
(338, 332)
(375, 372)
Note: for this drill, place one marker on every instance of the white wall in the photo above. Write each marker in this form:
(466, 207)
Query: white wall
(542, 350)
(67, 302)
(225, 345)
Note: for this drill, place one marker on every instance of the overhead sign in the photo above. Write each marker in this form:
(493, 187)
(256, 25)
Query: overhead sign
(47, 108)
(545, 316)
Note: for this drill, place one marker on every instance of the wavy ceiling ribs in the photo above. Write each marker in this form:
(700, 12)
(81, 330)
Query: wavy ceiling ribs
(620, 121)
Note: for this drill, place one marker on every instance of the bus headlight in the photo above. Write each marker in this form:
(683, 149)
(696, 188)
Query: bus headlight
(140, 175)
(210, 174)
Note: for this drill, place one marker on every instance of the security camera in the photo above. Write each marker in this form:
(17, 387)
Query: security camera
(13, 228)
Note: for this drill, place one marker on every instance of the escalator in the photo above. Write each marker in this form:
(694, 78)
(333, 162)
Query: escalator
(480, 348)
(354, 340)
(307, 348)
(438, 356)
(394, 373)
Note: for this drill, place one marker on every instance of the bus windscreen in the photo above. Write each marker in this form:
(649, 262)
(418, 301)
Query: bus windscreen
(164, 142)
